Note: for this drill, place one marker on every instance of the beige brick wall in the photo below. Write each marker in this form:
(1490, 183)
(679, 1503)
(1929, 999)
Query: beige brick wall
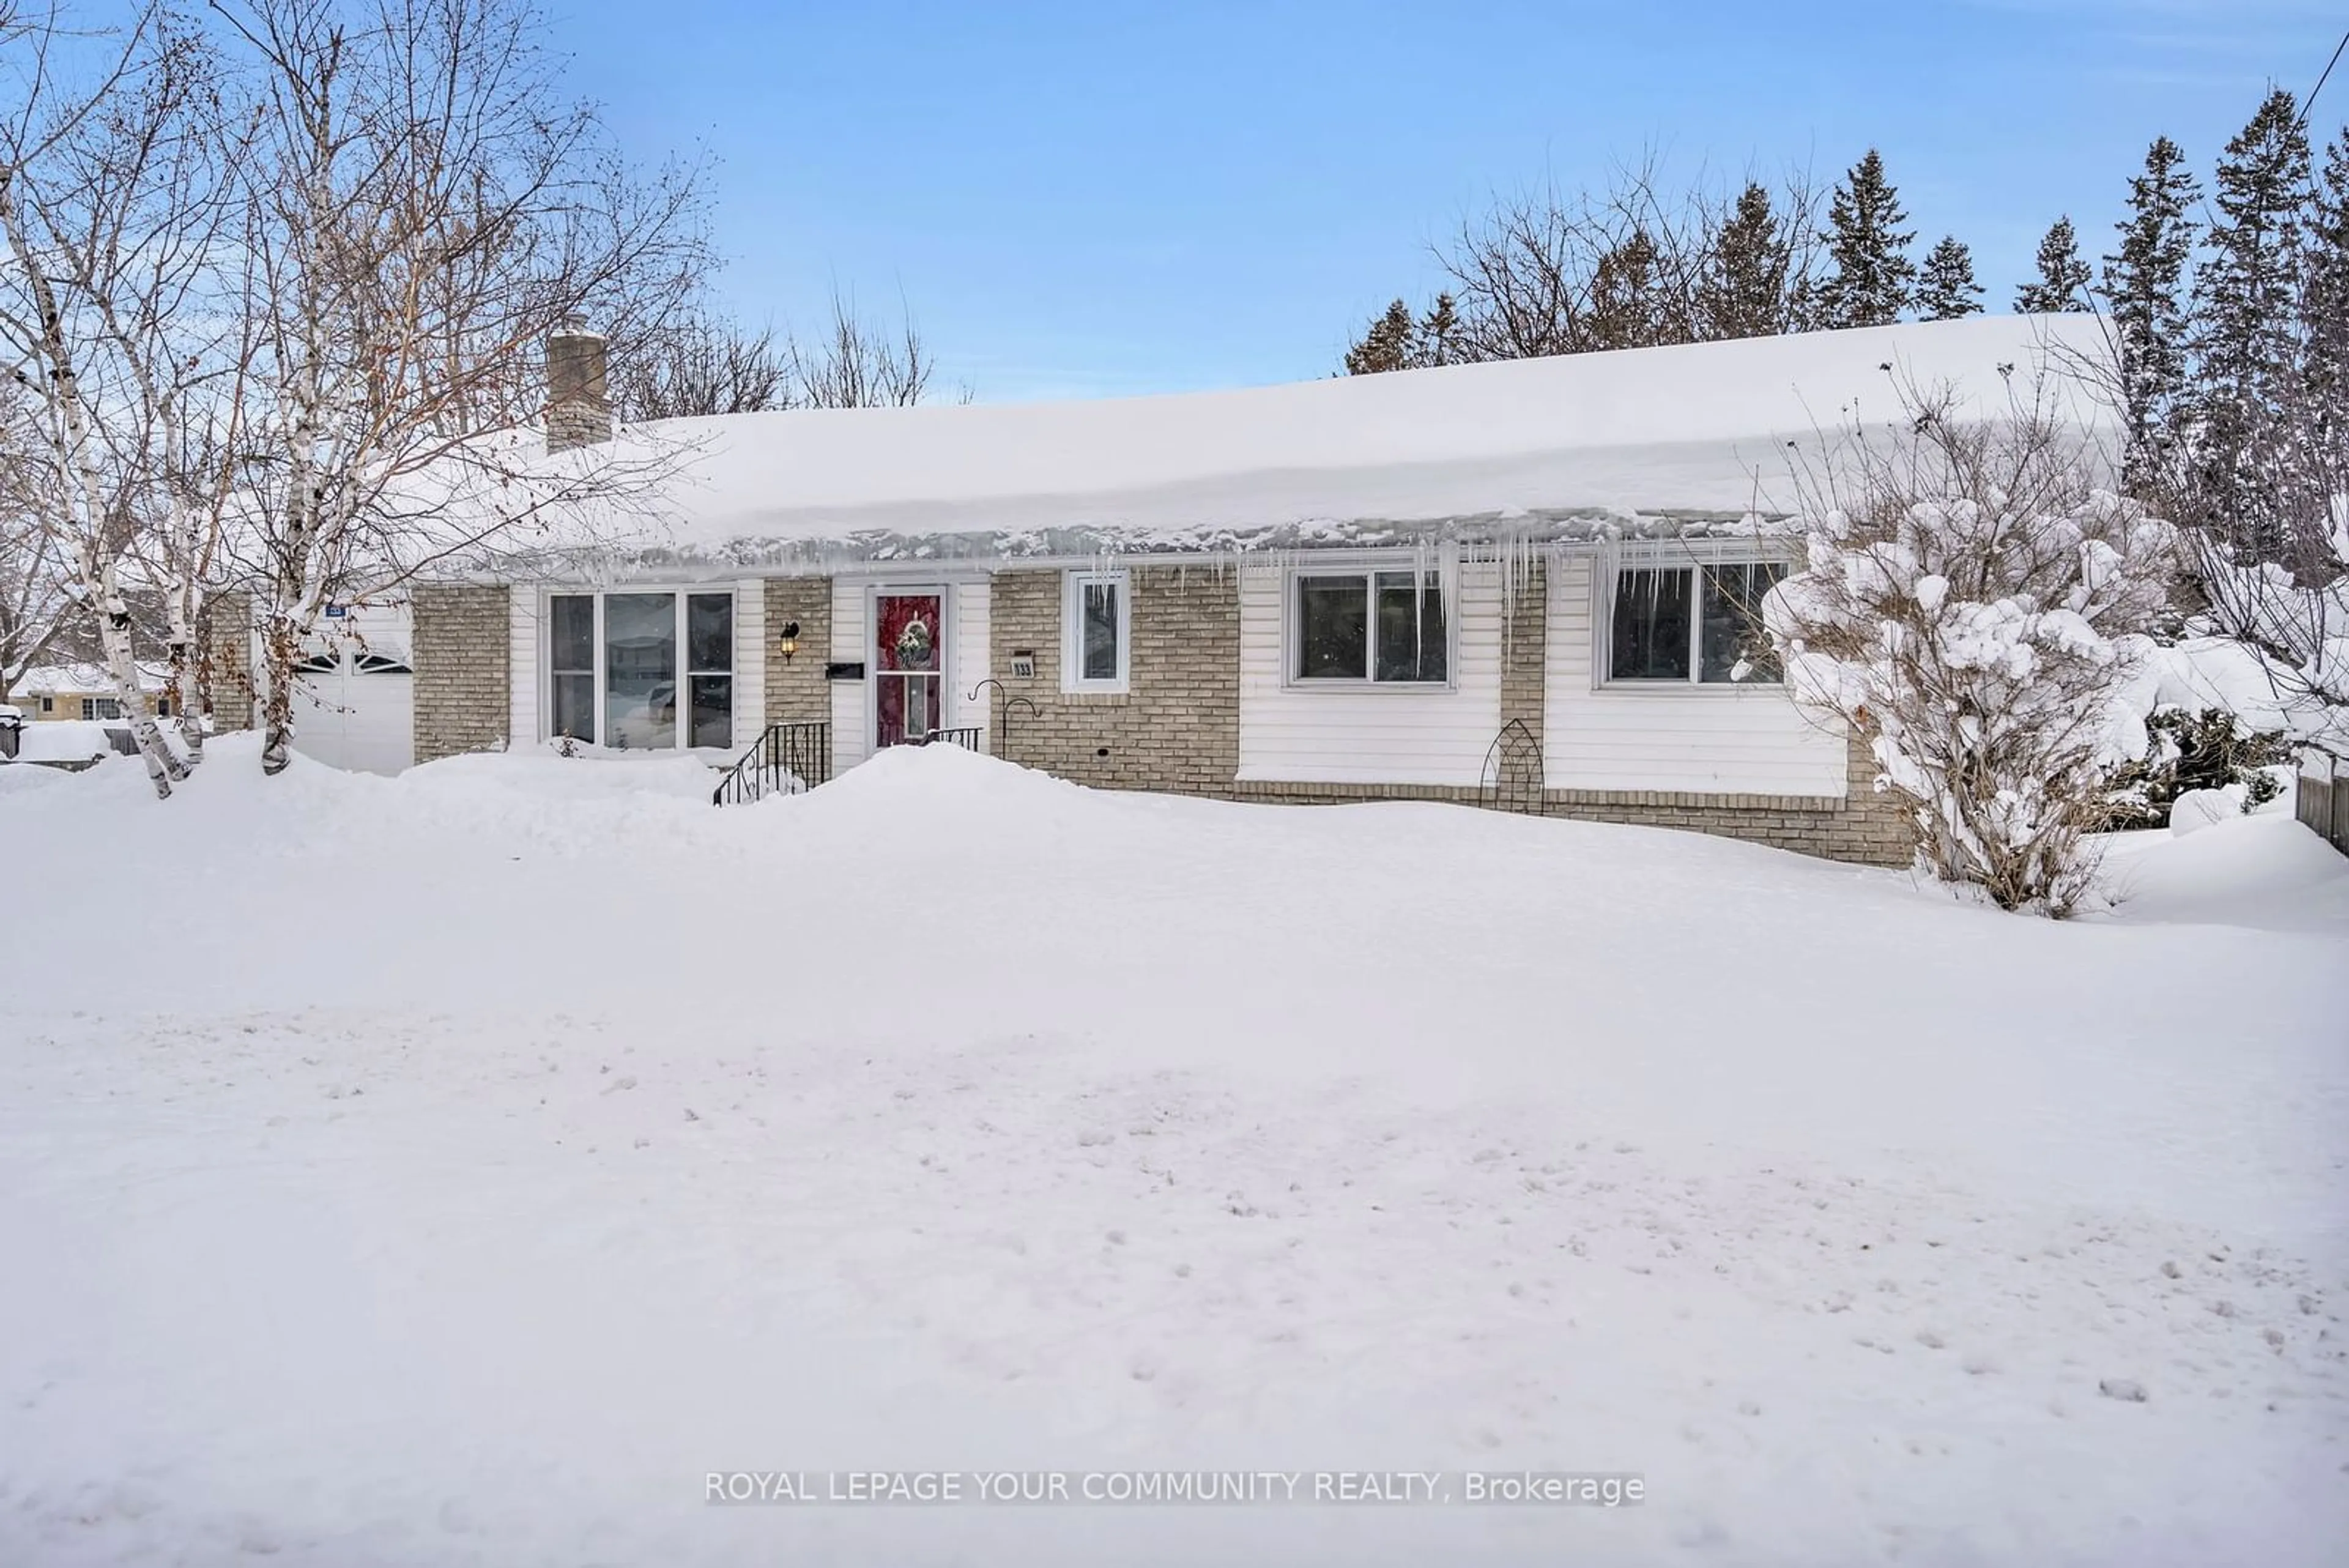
(227, 671)
(796, 689)
(1176, 728)
(1525, 647)
(463, 683)
(1879, 829)
(1865, 827)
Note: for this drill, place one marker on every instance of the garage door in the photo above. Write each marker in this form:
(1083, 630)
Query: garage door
(355, 706)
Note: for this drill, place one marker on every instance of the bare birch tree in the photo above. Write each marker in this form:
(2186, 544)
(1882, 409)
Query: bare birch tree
(109, 204)
(423, 211)
(34, 572)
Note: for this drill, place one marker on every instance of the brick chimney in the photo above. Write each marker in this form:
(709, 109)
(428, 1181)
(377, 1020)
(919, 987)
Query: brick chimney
(578, 410)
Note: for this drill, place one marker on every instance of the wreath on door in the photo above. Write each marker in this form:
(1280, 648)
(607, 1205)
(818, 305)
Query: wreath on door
(914, 646)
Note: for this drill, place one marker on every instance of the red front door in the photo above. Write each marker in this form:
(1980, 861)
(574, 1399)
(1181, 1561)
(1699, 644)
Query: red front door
(908, 653)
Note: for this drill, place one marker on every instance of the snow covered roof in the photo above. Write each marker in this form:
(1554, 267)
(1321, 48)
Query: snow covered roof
(1535, 448)
(85, 679)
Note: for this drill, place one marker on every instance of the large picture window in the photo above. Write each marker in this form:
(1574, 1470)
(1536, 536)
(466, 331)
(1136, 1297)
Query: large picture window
(641, 671)
(1693, 624)
(1372, 625)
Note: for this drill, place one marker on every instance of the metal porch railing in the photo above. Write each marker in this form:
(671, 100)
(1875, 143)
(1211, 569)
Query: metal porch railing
(789, 759)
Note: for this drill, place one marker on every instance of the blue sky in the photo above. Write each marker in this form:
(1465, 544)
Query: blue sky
(1105, 198)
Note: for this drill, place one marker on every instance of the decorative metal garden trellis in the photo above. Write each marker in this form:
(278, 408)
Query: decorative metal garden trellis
(1513, 769)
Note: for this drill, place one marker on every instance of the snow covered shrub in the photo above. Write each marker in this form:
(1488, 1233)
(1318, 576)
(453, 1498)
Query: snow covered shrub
(2186, 751)
(1963, 605)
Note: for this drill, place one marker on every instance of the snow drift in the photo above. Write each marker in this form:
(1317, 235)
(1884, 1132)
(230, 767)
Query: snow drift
(511, 1143)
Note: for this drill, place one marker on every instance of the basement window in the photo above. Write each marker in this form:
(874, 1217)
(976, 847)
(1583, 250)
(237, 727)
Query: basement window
(1693, 624)
(1096, 635)
(1370, 627)
(641, 671)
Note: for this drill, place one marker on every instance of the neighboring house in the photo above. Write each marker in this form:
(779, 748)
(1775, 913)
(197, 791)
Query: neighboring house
(87, 692)
(1530, 583)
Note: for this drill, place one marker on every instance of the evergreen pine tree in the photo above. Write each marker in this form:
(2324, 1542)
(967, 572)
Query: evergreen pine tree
(1946, 289)
(2246, 315)
(1437, 338)
(2062, 285)
(2326, 299)
(1385, 346)
(1873, 275)
(1744, 293)
(2247, 324)
(2145, 281)
(1624, 310)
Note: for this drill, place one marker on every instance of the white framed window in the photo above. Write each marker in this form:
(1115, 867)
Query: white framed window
(1368, 626)
(48, 705)
(101, 708)
(1096, 631)
(641, 669)
(1696, 623)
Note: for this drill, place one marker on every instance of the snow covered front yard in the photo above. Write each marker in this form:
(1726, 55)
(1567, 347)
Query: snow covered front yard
(491, 1153)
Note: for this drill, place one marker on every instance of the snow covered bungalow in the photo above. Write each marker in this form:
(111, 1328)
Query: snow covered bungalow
(1525, 584)
(87, 692)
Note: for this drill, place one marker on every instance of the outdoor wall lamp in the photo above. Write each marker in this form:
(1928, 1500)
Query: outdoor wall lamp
(791, 640)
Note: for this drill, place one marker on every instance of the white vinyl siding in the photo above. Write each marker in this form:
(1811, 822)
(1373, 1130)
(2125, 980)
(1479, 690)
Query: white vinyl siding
(1297, 732)
(527, 724)
(851, 634)
(749, 662)
(967, 658)
(1694, 738)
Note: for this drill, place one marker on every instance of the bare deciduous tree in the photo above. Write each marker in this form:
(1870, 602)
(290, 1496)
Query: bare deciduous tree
(2264, 525)
(858, 365)
(34, 570)
(423, 212)
(702, 366)
(109, 203)
(2235, 408)
(1640, 263)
